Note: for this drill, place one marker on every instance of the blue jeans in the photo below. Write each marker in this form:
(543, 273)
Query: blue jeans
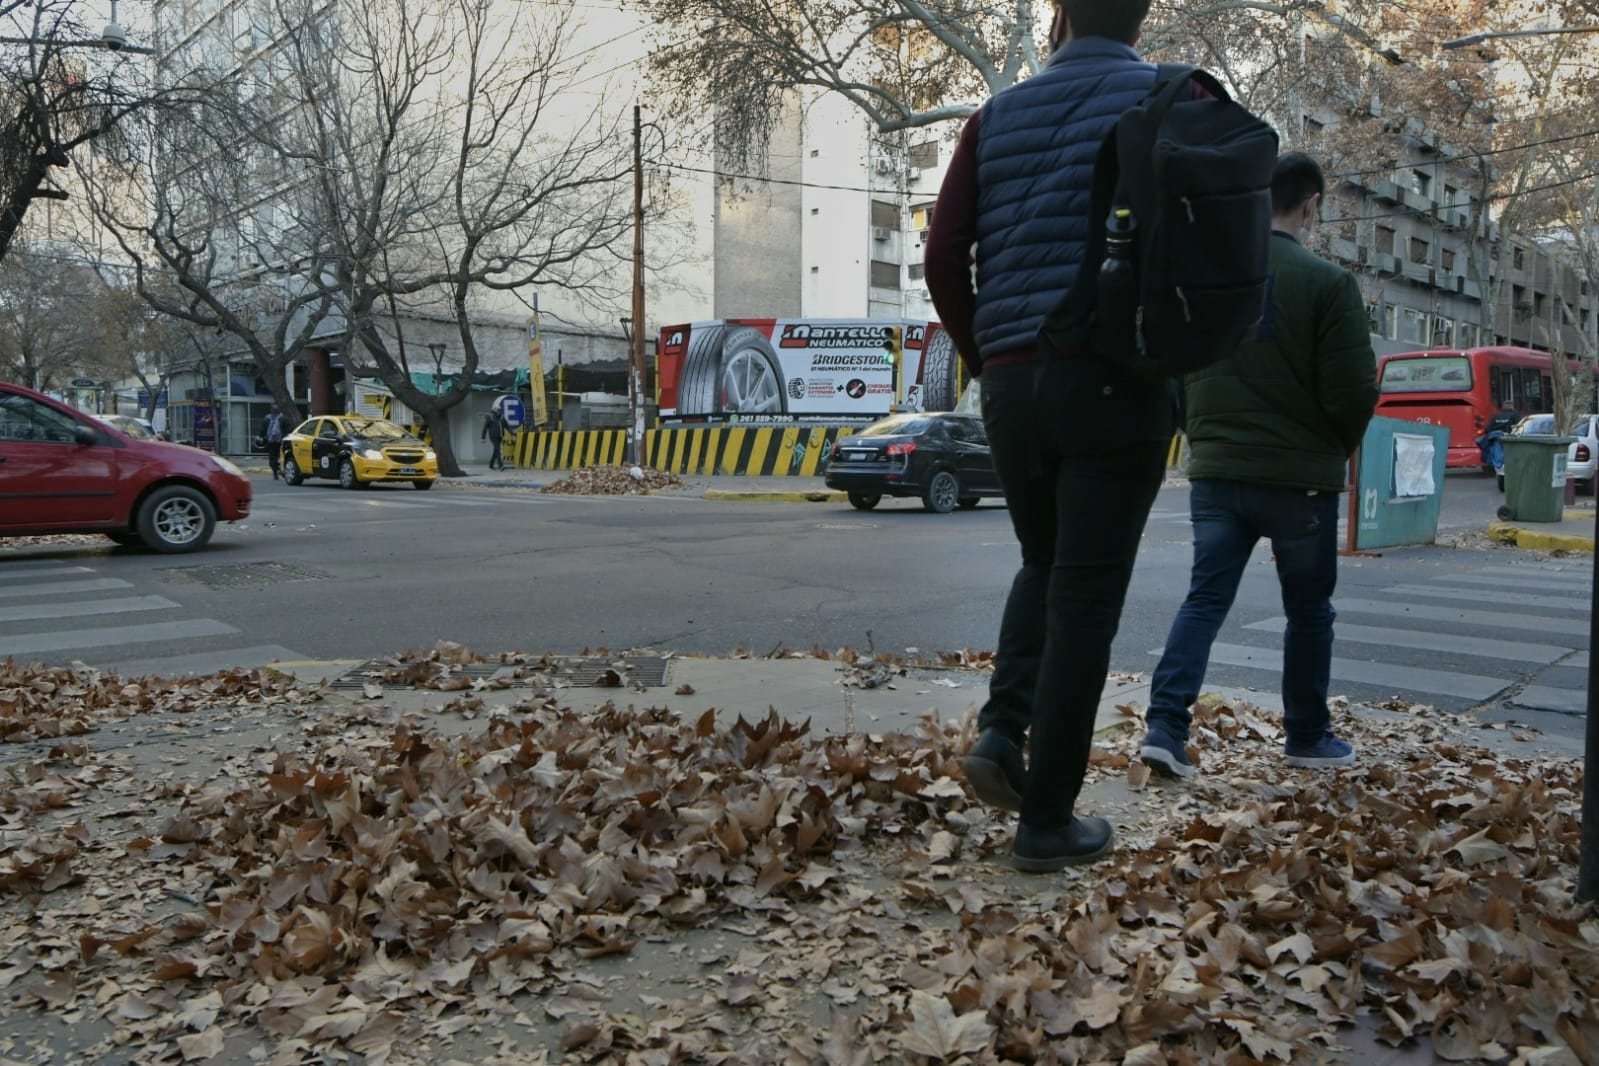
(1229, 518)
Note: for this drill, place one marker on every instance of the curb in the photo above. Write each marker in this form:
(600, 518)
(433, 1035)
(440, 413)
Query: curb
(776, 497)
(1535, 540)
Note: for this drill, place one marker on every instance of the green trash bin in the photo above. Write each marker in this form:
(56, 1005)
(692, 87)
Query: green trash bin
(1535, 478)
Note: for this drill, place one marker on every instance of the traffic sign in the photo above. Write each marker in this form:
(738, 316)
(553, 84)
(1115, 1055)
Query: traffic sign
(512, 411)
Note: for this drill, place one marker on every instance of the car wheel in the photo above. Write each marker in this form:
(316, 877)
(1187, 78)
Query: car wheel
(865, 501)
(943, 493)
(125, 540)
(423, 485)
(176, 518)
(938, 374)
(696, 385)
(968, 503)
(347, 478)
(750, 380)
(291, 472)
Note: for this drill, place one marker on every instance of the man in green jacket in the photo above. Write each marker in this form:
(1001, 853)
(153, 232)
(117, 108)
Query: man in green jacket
(1271, 429)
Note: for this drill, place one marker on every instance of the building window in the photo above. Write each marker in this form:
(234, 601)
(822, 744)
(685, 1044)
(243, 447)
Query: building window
(1452, 197)
(885, 275)
(924, 156)
(1447, 258)
(1466, 335)
(1518, 297)
(885, 215)
(1540, 305)
(922, 217)
(1420, 250)
(1518, 261)
(1385, 240)
(1421, 181)
(1390, 322)
(916, 271)
(1412, 326)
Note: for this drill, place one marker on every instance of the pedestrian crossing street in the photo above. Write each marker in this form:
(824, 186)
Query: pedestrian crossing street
(57, 612)
(1512, 631)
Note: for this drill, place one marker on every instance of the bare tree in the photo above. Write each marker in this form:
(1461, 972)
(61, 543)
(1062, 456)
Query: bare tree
(404, 159)
(46, 336)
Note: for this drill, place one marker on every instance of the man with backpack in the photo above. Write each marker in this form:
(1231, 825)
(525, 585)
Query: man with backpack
(1272, 428)
(1079, 433)
(494, 433)
(272, 430)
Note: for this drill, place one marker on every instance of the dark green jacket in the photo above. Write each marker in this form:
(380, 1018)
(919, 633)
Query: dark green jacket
(1291, 405)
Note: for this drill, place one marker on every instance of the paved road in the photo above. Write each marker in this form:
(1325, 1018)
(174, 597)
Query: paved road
(322, 573)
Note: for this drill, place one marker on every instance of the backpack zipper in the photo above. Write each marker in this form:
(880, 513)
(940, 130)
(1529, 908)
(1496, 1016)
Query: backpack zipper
(1189, 205)
(1184, 298)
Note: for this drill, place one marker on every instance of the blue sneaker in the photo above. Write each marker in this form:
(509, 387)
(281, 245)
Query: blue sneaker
(1164, 754)
(1327, 752)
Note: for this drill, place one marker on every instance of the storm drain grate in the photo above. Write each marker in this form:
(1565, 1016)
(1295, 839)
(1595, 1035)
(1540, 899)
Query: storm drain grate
(245, 575)
(647, 670)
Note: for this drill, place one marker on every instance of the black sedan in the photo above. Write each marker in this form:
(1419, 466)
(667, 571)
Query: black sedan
(942, 459)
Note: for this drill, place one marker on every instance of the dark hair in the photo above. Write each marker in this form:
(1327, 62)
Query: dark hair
(1296, 178)
(1120, 20)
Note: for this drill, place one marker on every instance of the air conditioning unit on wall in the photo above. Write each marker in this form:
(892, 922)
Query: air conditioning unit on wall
(881, 233)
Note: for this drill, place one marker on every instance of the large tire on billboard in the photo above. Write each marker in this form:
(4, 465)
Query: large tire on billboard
(939, 368)
(702, 364)
(751, 378)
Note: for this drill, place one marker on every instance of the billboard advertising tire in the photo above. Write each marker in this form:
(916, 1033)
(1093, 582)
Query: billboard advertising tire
(764, 371)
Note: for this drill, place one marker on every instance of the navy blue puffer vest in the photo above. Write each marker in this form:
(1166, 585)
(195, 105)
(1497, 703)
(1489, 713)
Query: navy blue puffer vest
(1035, 170)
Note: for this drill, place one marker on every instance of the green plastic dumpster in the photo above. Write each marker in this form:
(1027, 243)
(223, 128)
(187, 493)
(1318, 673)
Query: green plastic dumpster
(1535, 478)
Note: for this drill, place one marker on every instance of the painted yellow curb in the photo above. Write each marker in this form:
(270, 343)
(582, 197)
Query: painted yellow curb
(1534, 540)
(776, 497)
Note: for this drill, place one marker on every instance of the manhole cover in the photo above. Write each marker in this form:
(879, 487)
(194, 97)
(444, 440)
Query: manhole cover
(647, 670)
(245, 575)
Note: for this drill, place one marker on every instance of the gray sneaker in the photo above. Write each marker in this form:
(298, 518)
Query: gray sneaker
(1164, 754)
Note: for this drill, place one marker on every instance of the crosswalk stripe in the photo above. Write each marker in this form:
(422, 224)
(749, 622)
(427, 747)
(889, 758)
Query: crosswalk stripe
(1577, 583)
(1413, 679)
(1485, 647)
(62, 588)
(1489, 620)
(85, 608)
(1439, 592)
(7, 573)
(1548, 698)
(114, 636)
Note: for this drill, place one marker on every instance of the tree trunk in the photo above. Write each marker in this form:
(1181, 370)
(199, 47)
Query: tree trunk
(438, 420)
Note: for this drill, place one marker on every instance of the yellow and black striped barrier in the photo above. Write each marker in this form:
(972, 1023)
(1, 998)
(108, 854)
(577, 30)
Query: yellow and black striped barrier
(799, 451)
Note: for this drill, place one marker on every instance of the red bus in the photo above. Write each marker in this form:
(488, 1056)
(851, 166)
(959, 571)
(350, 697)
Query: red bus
(1463, 389)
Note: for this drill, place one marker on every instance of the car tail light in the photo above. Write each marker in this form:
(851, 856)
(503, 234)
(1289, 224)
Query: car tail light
(901, 449)
(1582, 453)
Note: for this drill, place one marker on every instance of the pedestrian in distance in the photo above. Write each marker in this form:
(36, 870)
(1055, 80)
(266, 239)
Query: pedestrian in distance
(1271, 431)
(273, 428)
(494, 433)
(1079, 444)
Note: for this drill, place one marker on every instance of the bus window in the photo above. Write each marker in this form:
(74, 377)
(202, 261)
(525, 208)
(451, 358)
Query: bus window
(1531, 390)
(1450, 373)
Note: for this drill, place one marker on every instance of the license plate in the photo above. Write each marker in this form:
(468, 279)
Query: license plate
(406, 471)
(858, 457)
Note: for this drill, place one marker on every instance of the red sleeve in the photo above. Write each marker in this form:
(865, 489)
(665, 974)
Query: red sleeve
(947, 261)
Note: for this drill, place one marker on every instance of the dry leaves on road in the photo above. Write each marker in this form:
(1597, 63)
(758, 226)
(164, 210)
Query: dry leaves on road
(613, 481)
(389, 892)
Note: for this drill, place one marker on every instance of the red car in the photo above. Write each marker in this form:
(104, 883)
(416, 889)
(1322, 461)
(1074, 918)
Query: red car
(62, 471)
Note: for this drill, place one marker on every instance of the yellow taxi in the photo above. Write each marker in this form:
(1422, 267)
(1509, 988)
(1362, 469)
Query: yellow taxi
(355, 450)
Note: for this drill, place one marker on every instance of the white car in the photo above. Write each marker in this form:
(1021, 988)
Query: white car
(1582, 458)
(137, 428)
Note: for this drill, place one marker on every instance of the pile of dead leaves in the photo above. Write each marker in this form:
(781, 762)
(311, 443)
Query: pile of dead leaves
(613, 481)
(41, 702)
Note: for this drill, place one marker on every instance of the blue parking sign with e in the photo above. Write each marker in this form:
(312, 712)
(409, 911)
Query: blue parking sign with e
(511, 410)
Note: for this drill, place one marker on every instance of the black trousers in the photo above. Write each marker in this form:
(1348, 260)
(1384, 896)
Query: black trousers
(496, 461)
(1080, 449)
(275, 456)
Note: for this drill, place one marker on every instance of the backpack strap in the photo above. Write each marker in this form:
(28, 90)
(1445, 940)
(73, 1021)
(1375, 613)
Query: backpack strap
(1068, 324)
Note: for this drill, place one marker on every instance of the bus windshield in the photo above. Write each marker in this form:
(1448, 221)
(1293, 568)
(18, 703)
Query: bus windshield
(1439, 373)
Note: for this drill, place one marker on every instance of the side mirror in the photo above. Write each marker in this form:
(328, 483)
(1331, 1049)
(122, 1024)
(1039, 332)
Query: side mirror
(85, 435)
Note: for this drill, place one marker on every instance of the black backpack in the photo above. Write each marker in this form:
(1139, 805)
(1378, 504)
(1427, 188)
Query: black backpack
(1196, 174)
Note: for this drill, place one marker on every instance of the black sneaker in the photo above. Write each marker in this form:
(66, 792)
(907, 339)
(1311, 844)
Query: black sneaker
(1165, 755)
(996, 770)
(1042, 851)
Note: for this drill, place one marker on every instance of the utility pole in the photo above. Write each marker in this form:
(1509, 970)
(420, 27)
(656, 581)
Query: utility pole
(636, 379)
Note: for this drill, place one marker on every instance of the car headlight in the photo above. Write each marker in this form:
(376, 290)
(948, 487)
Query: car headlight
(430, 456)
(227, 465)
(372, 454)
